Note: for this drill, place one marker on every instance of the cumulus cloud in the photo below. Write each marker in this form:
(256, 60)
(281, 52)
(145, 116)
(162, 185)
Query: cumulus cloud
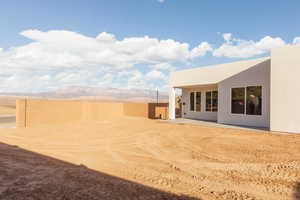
(201, 50)
(238, 48)
(164, 66)
(227, 37)
(60, 48)
(57, 58)
(296, 40)
(156, 75)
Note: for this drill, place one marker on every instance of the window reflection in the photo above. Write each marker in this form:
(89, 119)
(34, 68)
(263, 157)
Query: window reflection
(238, 100)
(254, 100)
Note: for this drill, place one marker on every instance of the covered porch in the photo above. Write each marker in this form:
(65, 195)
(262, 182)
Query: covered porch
(197, 102)
(196, 122)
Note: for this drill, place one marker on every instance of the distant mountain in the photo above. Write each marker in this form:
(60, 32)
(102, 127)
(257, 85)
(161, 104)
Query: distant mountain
(93, 94)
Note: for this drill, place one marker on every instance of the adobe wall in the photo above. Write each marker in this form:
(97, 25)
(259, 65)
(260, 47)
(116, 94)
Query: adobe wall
(156, 109)
(136, 109)
(101, 110)
(33, 112)
(20, 113)
(51, 112)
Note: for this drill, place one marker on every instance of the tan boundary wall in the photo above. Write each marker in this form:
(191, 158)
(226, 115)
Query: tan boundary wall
(33, 112)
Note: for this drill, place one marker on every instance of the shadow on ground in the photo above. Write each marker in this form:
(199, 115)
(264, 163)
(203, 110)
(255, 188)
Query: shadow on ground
(297, 192)
(27, 175)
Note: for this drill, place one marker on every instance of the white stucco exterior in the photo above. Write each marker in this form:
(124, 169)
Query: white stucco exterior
(285, 89)
(203, 115)
(257, 75)
(278, 77)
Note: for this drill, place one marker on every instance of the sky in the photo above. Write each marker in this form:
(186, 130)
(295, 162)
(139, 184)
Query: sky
(51, 44)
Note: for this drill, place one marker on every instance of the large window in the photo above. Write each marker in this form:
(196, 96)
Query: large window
(211, 101)
(246, 100)
(214, 101)
(238, 100)
(195, 101)
(198, 101)
(208, 101)
(192, 101)
(254, 100)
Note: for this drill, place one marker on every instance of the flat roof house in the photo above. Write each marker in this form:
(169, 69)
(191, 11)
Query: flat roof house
(263, 92)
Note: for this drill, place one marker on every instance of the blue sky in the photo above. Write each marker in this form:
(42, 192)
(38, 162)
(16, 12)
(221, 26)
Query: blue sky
(46, 45)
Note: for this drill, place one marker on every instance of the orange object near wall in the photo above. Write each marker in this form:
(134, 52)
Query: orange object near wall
(33, 112)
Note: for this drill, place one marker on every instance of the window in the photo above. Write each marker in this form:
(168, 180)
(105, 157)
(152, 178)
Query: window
(211, 101)
(198, 101)
(208, 101)
(251, 96)
(192, 101)
(215, 101)
(253, 100)
(238, 100)
(195, 101)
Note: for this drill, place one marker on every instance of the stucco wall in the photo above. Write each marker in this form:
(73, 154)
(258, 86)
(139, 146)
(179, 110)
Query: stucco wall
(34, 112)
(155, 110)
(100, 110)
(257, 75)
(136, 109)
(210, 74)
(285, 87)
(203, 115)
(20, 113)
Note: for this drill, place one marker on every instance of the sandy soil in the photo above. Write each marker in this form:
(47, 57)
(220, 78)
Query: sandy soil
(143, 159)
(7, 110)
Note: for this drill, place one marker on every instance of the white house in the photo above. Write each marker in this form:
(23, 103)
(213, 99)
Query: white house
(263, 92)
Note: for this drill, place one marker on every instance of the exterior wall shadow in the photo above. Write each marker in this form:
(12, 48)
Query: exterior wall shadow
(28, 175)
(297, 192)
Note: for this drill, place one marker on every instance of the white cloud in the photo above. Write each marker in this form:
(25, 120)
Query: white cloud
(237, 48)
(59, 48)
(201, 50)
(60, 58)
(163, 66)
(296, 40)
(161, 1)
(155, 75)
(227, 37)
(57, 58)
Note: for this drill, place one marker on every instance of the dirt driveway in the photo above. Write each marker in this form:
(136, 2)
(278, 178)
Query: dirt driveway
(147, 159)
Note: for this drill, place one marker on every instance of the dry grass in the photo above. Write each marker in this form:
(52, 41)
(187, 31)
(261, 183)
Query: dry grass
(200, 162)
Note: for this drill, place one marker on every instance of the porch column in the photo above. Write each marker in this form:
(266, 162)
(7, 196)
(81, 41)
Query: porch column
(172, 99)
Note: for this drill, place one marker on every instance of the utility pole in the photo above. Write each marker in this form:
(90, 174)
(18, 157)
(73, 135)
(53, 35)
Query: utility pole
(157, 96)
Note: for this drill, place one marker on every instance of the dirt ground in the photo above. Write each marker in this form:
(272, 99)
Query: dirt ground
(134, 158)
(7, 110)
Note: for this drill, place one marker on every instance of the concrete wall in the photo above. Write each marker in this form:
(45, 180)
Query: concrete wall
(257, 75)
(285, 88)
(33, 112)
(203, 115)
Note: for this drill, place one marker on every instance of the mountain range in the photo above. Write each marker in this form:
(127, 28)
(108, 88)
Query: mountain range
(90, 93)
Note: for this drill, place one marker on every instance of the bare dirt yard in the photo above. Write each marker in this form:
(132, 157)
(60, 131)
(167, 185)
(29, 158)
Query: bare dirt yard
(133, 158)
(7, 116)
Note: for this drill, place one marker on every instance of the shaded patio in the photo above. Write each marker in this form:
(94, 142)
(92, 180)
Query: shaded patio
(214, 124)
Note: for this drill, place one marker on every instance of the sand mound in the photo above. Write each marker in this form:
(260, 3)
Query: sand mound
(143, 159)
